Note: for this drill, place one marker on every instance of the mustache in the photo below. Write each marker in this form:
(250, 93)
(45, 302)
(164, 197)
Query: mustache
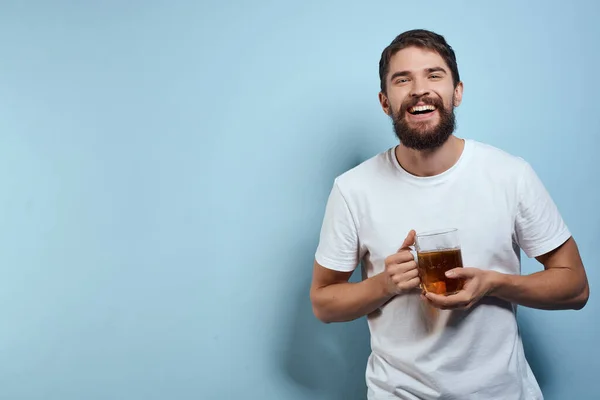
(425, 100)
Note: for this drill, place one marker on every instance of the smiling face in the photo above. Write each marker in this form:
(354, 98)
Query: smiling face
(420, 97)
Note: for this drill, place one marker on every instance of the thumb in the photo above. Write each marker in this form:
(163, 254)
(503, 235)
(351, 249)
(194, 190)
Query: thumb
(461, 273)
(409, 241)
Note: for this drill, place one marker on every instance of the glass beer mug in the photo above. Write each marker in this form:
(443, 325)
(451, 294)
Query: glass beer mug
(437, 252)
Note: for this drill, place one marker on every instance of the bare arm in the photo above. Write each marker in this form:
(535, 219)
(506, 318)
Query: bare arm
(562, 285)
(334, 299)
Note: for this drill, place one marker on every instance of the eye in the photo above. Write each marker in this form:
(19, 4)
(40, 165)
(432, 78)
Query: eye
(435, 76)
(401, 80)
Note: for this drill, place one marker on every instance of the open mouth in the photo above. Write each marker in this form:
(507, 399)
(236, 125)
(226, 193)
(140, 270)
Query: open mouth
(418, 110)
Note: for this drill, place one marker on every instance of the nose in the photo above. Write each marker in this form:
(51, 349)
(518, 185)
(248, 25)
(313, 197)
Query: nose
(419, 88)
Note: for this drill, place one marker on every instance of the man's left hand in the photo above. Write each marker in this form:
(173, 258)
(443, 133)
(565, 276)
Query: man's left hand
(478, 283)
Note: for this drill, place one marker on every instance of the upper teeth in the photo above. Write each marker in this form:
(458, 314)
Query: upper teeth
(422, 108)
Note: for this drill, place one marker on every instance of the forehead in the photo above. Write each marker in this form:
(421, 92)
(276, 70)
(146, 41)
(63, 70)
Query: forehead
(415, 59)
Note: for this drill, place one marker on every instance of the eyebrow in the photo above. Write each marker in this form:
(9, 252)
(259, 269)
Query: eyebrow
(436, 69)
(408, 73)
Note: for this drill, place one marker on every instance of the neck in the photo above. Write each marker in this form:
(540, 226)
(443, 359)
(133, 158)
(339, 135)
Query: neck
(430, 162)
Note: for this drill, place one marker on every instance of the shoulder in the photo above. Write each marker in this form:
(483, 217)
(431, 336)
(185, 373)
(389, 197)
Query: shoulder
(498, 162)
(366, 173)
(491, 154)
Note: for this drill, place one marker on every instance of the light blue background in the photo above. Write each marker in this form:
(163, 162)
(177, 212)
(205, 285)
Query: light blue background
(165, 165)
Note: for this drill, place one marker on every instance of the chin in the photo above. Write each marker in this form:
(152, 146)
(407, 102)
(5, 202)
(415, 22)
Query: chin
(426, 129)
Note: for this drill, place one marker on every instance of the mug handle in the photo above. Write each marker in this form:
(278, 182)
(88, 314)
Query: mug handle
(413, 251)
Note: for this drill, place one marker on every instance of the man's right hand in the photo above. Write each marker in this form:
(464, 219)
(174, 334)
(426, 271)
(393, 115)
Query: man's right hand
(401, 273)
(334, 299)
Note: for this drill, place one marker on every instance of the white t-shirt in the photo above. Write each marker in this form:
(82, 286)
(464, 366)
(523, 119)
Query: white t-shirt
(498, 205)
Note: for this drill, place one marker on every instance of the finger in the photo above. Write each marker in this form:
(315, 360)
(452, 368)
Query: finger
(396, 269)
(409, 241)
(410, 284)
(457, 300)
(462, 273)
(399, 258)
(405, 276)
(410, 274)
(468, 306)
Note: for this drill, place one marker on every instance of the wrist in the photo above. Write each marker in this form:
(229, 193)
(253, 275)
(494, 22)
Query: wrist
(386, 291)
(496, 281)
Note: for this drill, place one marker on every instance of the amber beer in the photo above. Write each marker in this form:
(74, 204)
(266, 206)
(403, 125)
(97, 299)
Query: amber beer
(438, 252)
(432, 270)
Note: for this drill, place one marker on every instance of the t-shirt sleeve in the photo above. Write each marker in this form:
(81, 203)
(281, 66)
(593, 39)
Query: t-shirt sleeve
(338, 247)
(539, 225)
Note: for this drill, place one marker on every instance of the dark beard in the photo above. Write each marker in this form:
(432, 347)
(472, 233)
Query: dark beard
(422, 138)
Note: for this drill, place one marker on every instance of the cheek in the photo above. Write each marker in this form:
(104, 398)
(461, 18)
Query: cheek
(396, 104)
(396, 98)
(445, 91)
(449, 104)
(448, 100)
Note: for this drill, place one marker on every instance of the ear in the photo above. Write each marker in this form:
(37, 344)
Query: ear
(385, 103)
(458, 93)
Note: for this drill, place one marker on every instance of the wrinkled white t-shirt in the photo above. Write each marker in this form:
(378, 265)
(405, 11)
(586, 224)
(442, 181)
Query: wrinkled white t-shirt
(499, 206)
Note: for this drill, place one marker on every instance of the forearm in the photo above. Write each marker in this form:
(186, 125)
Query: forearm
(551, 289)
(348, 301)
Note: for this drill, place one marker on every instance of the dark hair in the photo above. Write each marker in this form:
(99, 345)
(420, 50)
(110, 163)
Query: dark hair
(418, 38)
